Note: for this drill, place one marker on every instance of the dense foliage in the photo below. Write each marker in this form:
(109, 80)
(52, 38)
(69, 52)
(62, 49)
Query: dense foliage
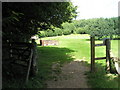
(21, 20)
(99, 27)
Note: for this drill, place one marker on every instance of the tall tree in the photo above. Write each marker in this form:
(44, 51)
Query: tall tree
(22, 19)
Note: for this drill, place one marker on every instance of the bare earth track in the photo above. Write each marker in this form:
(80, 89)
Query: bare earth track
(72, 76)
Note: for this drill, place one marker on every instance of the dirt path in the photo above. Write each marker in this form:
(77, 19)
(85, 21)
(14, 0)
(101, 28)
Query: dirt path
(72, 76)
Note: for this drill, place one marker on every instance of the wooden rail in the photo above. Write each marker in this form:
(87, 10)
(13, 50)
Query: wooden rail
(100, 58)
(100, 44)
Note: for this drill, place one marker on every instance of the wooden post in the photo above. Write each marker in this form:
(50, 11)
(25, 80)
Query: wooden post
(92, 54)
(32, 62)
(28, 71)
(34, 58)
(108, 59)
(40, 42)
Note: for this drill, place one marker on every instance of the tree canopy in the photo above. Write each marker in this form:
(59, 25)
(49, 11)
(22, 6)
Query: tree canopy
(24, 19)
(99, 27)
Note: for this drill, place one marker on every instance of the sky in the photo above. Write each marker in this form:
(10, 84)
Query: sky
(96, 8)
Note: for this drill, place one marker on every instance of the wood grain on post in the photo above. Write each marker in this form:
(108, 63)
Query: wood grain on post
(92, 54)
(108, 59)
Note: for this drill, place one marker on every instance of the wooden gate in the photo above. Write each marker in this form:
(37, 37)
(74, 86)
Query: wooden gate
(22, 55)
(106, 43)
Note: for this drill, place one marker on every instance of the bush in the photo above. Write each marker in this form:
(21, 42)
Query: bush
(41, 34)
(68, 28)
(66, 31)
(49, 33)
(58, 32)
(80, 31)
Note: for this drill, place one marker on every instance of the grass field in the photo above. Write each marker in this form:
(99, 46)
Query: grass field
(115, 47)
(72, 47)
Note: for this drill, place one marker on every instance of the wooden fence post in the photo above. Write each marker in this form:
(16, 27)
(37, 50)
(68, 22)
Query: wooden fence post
(92, 39)
(108, 59)
(34, 58)
(29, 66)
(32, 69)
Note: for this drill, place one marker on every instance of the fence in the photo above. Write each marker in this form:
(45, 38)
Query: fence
(48, 42)
(106, 43)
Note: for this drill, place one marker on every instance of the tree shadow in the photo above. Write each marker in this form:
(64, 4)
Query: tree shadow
(46, 57)
(98, 79)
(54, 54)
(50, 55)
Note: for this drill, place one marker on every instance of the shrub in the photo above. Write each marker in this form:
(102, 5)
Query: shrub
(80, 31)
(41, 34)
(49, 33)
(58, 31)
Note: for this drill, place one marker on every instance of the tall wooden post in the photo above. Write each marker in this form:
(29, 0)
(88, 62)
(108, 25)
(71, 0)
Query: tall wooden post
(92, 39)
(32, 69)
(108, 59)
(34, 58)
(29, 66)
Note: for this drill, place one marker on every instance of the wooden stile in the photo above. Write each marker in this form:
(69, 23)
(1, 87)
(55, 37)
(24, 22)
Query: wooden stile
(108, 58)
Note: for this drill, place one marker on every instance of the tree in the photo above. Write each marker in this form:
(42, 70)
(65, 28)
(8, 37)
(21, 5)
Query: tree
(99, 27)
(22, 19)
(66, 28)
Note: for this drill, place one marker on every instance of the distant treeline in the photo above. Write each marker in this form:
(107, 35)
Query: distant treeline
(99, 27)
